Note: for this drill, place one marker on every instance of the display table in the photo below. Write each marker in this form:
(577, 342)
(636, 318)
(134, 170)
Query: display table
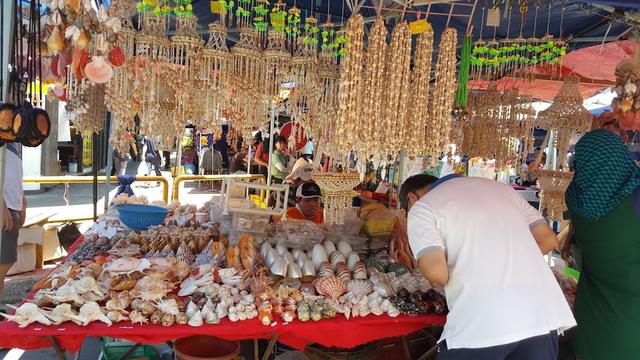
(338, 332)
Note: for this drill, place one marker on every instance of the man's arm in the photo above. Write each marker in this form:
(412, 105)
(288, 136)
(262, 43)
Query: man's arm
(545, 237)
(434, 268)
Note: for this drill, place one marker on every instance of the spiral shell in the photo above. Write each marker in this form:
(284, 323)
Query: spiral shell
(360, 287)
(331, 287)
(336, 257)
(342, 271)
(359, 271)
(326, 269)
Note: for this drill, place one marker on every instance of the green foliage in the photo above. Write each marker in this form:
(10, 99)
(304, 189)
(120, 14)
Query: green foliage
(527, 54)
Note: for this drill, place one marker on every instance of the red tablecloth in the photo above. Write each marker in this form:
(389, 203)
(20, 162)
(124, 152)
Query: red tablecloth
(338, 332)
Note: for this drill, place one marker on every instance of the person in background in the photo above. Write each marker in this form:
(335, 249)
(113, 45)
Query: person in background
(279, 168)
(307, 151)
(261, 157)
(14, 210)
(604, 202)
(308, 200)
(151, 156)
(237, 161)
(484, 243)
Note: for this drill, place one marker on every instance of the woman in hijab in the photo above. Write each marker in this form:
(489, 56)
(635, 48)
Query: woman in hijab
(604, 201)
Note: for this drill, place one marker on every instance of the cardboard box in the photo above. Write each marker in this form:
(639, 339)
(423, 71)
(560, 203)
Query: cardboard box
(26, 259)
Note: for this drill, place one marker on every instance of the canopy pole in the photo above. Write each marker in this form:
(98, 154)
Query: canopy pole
(107, 172)
(94, 158)
(271, 131)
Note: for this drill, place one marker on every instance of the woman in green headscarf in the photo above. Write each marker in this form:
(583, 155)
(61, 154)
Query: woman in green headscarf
(604, 201)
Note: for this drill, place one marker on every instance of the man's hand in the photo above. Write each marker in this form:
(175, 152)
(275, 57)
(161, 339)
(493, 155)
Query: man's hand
(8, 220)
(23, 212)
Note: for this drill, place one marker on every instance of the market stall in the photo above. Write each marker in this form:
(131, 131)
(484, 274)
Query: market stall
(199, 272)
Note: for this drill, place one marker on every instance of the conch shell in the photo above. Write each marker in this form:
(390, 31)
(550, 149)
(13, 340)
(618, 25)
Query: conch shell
(99, 71)
(27, 314)
(331, 287)
(91, 312)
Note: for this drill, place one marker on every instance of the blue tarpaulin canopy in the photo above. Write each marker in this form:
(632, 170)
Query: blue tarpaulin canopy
(583, 23)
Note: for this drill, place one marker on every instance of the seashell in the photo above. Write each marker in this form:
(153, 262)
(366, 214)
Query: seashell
(264, 249)
(82, 41)
(221, 311)
(55, 42)
(265, 317)
(272, 256)
(184, 254)
(114, 316)
(182, 319)
(294, 271)
(91, 312)
(156, 317)
(326, 269)
(242, 316)
(359, 271)
(329, 246)
(297, 254)
(342, 271)
(233, 317)
(136, 317)
(288, 258)
(302, 259)
(27, 314)
(279, 267)
(308, 271)
(98, 70)
(336, 257)
(168, 319)
(281, 249)
(211, 318)
(393, 311)
(318, 255)
(344, 248)
(233, 280)
(191, 309)
(196, 319)
(288, 316)
(360, 287)
(116, 56)
(331, 287)
(352, 260)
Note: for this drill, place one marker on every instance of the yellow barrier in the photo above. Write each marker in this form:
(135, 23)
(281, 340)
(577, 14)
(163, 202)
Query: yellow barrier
(184, 178)
(89, 180)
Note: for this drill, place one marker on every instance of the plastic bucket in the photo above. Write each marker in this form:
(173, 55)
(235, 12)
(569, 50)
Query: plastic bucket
(202, 347)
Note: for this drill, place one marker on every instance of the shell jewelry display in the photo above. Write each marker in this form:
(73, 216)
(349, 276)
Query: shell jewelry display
(554, 184)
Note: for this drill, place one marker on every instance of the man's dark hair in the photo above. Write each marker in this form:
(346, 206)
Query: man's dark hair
(280, 139)
(413, 184)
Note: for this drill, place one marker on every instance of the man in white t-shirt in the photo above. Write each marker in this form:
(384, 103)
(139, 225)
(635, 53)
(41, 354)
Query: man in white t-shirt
(15, 207)
(484, 243)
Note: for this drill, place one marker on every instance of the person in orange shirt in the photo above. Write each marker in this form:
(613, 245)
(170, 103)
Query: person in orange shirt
(308, 198)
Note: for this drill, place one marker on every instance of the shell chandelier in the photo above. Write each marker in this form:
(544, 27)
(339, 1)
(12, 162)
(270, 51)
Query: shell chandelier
(500, 127)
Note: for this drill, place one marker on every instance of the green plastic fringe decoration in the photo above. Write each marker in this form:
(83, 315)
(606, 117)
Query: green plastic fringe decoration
(463, 79)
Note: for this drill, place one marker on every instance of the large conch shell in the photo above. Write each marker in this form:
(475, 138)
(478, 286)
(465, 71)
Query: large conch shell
(27, 314)
(62, 313)
(91, 312)
(331, 287)
(98, 70)
(128, 265)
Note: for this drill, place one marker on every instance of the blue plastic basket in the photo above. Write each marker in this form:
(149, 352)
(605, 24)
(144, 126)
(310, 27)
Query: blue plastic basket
(140, 217)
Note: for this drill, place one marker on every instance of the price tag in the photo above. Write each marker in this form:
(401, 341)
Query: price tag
(419, 26)
(493, 17)
(217, 8)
